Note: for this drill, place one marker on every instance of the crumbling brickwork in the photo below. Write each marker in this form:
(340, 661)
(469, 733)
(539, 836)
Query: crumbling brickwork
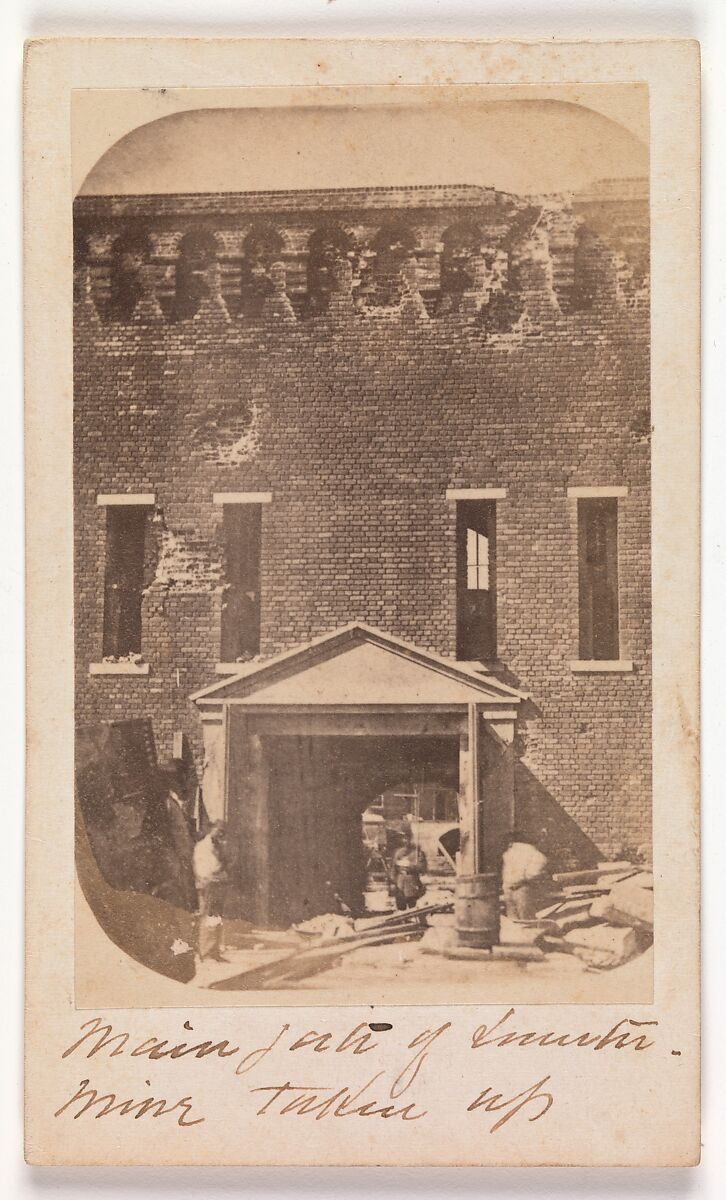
(357, 354)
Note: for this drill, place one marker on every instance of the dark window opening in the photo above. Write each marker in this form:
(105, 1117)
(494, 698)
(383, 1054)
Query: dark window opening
(476, 572)
(394, 245)
(462, 247)
(240, 637)
(197, 252)
(328, 247)
(262, 247)
(125, 544)
(597, 524)
(131, 252)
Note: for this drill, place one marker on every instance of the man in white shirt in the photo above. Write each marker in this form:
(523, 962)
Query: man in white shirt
(525, 878)
(212, 881)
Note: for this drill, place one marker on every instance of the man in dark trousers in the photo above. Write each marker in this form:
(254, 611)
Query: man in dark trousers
(409, 863)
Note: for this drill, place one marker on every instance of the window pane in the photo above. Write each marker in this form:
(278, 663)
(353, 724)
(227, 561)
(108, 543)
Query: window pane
(240, 629)
(124, 581)
(598, 578)
(483, 558)
(476, 580)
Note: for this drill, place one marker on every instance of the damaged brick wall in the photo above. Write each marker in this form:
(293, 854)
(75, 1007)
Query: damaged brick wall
(481, 341)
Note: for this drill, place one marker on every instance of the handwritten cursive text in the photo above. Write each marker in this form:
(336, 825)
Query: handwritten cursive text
(287, 1098)
(88, 1098)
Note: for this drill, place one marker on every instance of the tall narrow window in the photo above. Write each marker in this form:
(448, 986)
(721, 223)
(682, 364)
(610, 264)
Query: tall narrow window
(597, 525)
(125, 544)
(241, 603)
(476, 593)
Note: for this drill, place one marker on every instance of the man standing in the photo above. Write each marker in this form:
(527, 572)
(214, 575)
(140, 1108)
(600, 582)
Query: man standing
(409, 863)
(212, 880)
(525, 878)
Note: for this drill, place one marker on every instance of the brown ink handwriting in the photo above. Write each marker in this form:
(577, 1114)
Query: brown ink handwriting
(287, 1098)
(140, 1108)
(494, 1102)
(425, 1040)
(617, 1037)
(151, 1047)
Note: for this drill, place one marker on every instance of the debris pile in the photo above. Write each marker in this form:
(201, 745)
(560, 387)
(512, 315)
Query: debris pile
(331, 926)
(329, 937)
(326, 925)
(604, 916)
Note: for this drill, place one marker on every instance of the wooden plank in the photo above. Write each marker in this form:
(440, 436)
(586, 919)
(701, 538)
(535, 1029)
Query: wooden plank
(308, 961)
(592, 876)
(563, 907)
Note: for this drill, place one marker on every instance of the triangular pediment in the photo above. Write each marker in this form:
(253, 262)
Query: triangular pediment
(357, 666)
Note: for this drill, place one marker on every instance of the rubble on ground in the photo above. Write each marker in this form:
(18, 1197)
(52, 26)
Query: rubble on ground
(628, 903)
(604, 916)
(438, 939)
(604, 945)
(326, 925)
(329, 926)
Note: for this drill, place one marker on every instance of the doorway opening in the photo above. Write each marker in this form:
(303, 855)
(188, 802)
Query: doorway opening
(326, 794)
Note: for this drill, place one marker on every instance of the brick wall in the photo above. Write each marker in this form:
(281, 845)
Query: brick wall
(534, 379)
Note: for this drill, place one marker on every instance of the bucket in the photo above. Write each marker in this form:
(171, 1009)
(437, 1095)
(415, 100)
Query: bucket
(477, 910)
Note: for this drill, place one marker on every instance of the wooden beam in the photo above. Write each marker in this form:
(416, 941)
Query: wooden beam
(474, 784)
(469, 801)
(392, 724)
(497, 784)
(247, 812)
(216, 752)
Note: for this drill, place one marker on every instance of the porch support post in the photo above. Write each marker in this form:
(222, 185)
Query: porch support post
(248, 815)
(470, 796)
(474, 723)
(213, 773)
(497, 784)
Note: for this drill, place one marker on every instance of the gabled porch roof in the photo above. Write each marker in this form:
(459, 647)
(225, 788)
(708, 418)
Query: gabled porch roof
(357, 666)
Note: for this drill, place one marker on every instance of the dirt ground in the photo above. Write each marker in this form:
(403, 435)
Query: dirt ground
(417, 972)
(405, 973)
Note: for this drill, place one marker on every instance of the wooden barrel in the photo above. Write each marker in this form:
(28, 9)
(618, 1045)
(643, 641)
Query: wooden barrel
(477, 910)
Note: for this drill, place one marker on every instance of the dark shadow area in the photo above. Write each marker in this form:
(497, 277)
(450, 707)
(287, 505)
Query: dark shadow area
(552, 829)
(132, 869)
(318, 860)
(152, 932)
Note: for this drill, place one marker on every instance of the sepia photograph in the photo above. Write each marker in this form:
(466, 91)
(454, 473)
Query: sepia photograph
(363, 530)
(362, 544)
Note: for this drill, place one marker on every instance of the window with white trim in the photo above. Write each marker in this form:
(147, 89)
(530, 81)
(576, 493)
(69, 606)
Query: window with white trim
(476, 634)
(597, 536)
(241, 616)
(124, 579)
